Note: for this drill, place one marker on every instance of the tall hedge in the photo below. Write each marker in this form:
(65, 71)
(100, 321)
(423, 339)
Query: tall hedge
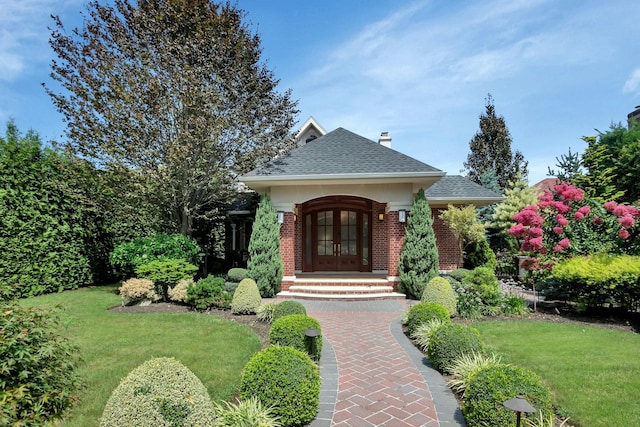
(47, 231)
(419, 255)
(265, 262)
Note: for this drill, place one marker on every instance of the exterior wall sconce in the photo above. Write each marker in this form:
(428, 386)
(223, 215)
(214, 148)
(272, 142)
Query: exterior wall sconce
(295, 218)
(519, 405)
(380, 217)
(402, 216)
(280, 217)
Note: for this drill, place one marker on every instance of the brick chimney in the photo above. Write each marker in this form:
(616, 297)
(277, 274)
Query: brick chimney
(385, 139)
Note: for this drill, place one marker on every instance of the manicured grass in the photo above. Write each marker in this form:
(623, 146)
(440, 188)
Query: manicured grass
(112, 344)
(594, 373)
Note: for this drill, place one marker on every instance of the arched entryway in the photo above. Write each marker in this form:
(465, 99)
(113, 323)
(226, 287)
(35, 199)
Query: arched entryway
(336, 234)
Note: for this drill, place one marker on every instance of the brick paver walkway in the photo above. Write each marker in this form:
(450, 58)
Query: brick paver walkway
(378, 382)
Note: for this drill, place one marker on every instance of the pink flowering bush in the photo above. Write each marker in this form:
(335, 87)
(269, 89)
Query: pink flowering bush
(565, 224)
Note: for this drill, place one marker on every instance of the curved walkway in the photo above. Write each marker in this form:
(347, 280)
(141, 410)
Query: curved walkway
(372, 375)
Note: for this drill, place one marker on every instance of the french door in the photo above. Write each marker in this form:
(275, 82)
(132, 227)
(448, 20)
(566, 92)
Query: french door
(338, 240)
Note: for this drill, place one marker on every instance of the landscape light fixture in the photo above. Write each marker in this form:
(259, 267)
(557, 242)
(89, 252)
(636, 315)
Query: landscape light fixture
(311, 335)
(519, 405)
(402, 216)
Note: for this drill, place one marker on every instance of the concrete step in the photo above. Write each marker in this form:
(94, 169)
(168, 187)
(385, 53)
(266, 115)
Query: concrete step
(351, 292)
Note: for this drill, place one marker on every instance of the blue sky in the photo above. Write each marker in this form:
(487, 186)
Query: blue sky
(420, 70)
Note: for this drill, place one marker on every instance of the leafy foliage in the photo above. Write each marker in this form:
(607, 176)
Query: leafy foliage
(423, 312)
(174, 89)
(439, 290)
(208, 292)
(518, 196)
(37, 366)
(246, 298)
(423, 333)
(290, 330)
(491, 149)
(160, 392)
(419, 254)
(459, 274)
(178, 293)
(265, 262)
(127, 257)
(286, 380)
(483, 281)
(479, 254)
(288, 307)
(449, 342)
(247, 413)
(496, 384)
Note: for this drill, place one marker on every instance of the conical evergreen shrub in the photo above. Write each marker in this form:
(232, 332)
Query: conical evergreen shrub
(265, 262)
(419, 255)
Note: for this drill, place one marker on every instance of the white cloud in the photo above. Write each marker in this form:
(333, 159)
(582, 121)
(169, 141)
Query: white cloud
(24, 34)
(632, 85)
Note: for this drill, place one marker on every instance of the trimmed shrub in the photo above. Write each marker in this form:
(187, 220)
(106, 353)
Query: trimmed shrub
(236, 275)
(290, 330)
(37, 366)
(286, 380)
(496, 384)
(127, 257)
(207, 292)
(136, 290)
(423, 312)
(459, 274)
(419, 254)
(247, 413)
(265, 261)
(451, 341)
(165, 274)
(231, 286)
(160, 392)
(265, 311)
(246, 298)
(288, 307)
(439, 290)
(179, 292)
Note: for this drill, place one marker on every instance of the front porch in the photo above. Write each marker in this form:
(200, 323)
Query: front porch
(345, 286)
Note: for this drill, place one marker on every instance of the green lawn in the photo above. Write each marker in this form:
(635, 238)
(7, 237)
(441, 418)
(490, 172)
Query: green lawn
(112, 344)
(594, 373)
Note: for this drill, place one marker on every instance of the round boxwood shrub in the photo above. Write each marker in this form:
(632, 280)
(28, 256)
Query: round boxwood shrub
(246, 298)
(286, 380)
(449, 342)
(286, 308)
(290, 330)
(236, 274)
(423, 312)
(160, 392)
(439, 290)
(496, 384)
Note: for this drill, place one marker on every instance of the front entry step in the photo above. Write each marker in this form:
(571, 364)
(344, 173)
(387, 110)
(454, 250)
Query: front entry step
(343, 293)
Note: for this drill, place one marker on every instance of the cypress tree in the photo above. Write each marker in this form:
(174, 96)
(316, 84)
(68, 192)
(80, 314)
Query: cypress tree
(419, 254)
(265, 262)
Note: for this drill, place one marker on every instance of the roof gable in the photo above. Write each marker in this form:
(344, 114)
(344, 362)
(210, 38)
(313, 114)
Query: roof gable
(341, 152)
(458, 189)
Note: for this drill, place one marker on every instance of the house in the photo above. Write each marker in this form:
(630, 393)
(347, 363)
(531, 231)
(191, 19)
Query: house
(343, 201)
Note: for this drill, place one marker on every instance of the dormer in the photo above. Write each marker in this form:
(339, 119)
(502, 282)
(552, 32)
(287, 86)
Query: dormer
(309, 131)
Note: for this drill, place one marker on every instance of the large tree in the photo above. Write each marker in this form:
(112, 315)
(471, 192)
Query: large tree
(491, 149)
(175, 90)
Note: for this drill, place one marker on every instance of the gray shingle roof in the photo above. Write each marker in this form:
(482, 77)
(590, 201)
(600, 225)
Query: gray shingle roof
(453, 187)
(342, 152)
